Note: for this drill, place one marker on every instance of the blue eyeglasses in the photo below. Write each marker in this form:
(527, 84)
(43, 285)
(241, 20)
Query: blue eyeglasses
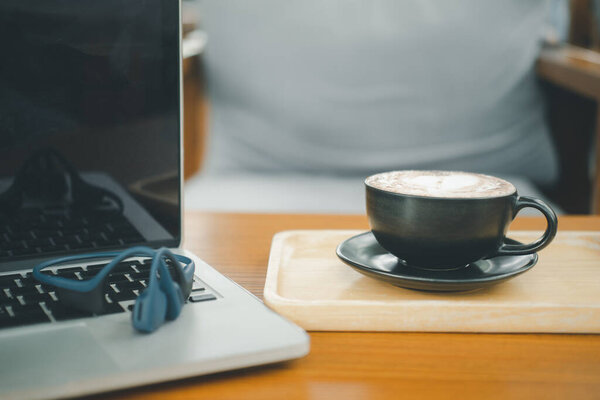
(162, 299)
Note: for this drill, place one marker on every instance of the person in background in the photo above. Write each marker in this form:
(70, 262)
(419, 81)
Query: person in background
(310, 97)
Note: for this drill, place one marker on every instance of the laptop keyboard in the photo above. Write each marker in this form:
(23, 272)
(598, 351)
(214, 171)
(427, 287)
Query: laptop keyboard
(33, 231)
(24, 301)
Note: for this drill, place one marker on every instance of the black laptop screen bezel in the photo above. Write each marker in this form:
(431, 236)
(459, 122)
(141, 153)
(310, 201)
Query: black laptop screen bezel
(17, 263)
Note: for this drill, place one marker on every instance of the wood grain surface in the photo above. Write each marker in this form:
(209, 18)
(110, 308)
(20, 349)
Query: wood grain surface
(307, 283)
(353, 365)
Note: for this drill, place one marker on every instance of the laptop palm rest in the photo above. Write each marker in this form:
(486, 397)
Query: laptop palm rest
(76, 355)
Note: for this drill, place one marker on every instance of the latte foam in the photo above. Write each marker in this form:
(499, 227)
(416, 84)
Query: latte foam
(444, 184)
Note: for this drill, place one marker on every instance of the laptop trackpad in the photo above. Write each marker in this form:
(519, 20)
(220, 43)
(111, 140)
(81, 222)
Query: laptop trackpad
(54, 357)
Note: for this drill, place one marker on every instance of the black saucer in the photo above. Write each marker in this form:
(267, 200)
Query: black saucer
(363, 253)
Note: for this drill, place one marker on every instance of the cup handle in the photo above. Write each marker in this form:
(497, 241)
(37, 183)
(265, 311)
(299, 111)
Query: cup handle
(552, 226)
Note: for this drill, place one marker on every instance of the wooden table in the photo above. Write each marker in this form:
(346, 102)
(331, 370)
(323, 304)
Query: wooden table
(350, 365)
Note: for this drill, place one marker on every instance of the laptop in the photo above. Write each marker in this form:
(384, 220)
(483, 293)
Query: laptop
(91, 160)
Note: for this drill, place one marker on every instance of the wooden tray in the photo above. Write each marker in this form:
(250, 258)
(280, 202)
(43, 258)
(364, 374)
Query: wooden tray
(307, 283)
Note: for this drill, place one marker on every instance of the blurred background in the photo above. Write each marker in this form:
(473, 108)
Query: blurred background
(288, 106)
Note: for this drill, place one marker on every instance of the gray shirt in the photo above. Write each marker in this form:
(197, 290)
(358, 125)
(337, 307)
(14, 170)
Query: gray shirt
(349, 87)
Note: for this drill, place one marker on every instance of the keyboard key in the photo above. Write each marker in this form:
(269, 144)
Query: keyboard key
(146, 274)
(29, 280)
(95, 267)
(6, 302)
(136, 285)
(8, 322)
(69, 239)
(27, 309)
(21, 291)
(47, 288)
(14, 245)
(117, 277)
(139, 276)
(5, 318)
(4, 295)
(60, 240)
(123, 267)
(9, 278)
(61, 312)
(146, 263)
(51, 248)
(33, 318)
(122, 295)
(44, 272)
(68, 275)
(22, 252)
(195, 298)
(112, 308)
(8, 284)
(79, 246)
(28, 314)
(88, 274)
(42, 242)
(37, 298)
(71, 269)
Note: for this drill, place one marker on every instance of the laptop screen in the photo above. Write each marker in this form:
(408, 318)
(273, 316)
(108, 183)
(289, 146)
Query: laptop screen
(89, 126)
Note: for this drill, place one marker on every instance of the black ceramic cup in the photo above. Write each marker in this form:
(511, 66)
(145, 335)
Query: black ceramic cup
(446, 232)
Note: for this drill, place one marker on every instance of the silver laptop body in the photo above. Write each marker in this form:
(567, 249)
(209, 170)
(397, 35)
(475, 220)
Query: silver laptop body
(226, 328)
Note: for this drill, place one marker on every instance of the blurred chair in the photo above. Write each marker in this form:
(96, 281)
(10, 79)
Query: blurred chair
(571, 76)
(195, 112)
